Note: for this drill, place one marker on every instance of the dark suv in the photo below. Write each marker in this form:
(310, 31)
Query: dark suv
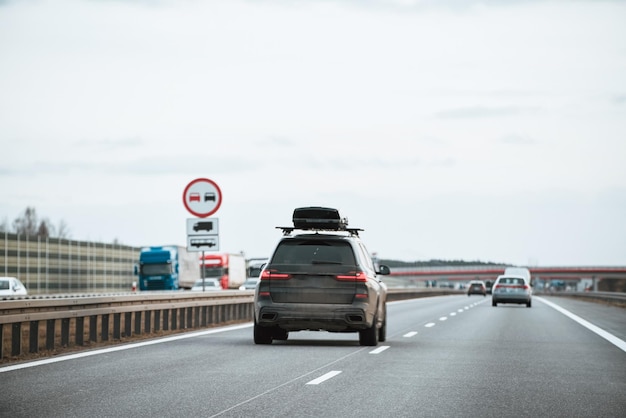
(322, 279)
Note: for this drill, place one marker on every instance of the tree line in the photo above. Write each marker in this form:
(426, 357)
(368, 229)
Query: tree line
(29, 224)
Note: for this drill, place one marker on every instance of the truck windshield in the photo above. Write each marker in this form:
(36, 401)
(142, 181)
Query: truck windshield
(254, 271)
(156, 269)
(213, 271)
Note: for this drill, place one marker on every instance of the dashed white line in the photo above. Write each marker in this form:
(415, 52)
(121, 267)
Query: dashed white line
(379, 349)
(410, 334)
(443, 318)
(430, 324)
(324, 378)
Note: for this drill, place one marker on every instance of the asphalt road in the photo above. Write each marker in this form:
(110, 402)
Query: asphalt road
(451, 356)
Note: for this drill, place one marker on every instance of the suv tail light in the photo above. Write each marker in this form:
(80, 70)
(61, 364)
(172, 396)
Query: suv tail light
(512, 286)
(355, 276)
(270, 275)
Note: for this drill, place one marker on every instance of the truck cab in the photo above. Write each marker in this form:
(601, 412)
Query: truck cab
(157, 268)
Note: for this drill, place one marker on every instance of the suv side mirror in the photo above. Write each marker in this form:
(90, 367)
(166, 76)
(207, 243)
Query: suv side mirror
(383, 269)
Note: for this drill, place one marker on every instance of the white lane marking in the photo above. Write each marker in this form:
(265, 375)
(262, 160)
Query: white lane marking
(460, 311)
(295, 379)
(443, 318)
(452, 313)
(379, 349)
(410, 334)
(121, 347)
(621, 344)
(430, 324)
(324, 378)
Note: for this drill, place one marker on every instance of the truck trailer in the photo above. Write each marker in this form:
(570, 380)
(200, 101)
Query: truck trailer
(229, 269)
(168, 267)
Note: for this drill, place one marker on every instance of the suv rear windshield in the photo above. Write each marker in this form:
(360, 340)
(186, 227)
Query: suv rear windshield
(512, 280)
(303, 251)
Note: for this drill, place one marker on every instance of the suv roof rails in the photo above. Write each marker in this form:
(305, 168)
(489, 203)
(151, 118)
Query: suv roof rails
(287, 230)
(318, 218)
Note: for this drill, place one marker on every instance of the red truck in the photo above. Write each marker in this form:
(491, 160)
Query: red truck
(229, 269)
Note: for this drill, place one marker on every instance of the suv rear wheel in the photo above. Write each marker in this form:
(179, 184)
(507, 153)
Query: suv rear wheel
(262, 335)
(280, 334)
(369, 336)
(382, 331)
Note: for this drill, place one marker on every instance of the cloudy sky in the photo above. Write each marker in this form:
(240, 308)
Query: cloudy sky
(449, 129)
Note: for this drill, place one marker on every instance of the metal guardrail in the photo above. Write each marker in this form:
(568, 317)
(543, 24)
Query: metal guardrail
(32, 327)
(35, 327)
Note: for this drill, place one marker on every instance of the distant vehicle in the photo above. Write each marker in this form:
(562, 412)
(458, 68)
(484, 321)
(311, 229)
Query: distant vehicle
(511, 289)
(168, 267)
(322, 279)
(255, 266)
(489, 286)
(228, 269)
(476, 287)
(253, 272)
(519, 271)
(249, 284)
(12, 286)
(207, 285)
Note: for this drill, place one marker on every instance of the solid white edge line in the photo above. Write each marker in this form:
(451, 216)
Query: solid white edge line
(324, 378)
(602, 333)
(120, 348)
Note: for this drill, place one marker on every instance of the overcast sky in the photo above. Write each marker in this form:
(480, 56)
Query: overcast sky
(458, 129)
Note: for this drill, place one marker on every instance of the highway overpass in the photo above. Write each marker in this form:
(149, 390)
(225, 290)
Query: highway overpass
(464, 273)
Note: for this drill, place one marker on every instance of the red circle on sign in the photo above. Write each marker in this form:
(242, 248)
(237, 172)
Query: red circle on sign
(218, 202)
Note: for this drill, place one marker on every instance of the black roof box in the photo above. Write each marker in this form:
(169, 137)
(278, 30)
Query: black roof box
(317, 217)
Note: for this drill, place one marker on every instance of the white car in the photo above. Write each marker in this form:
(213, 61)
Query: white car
(12, 286)
(249, 284)
(511, 289)
(209, 285)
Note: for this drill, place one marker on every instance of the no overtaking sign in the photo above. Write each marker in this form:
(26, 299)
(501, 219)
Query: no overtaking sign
(202, 197)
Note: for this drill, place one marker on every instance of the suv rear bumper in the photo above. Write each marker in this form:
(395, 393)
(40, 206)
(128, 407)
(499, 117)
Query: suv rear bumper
(314, 318)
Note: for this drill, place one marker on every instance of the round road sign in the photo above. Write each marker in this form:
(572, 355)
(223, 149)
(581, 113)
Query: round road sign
(202, 197)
